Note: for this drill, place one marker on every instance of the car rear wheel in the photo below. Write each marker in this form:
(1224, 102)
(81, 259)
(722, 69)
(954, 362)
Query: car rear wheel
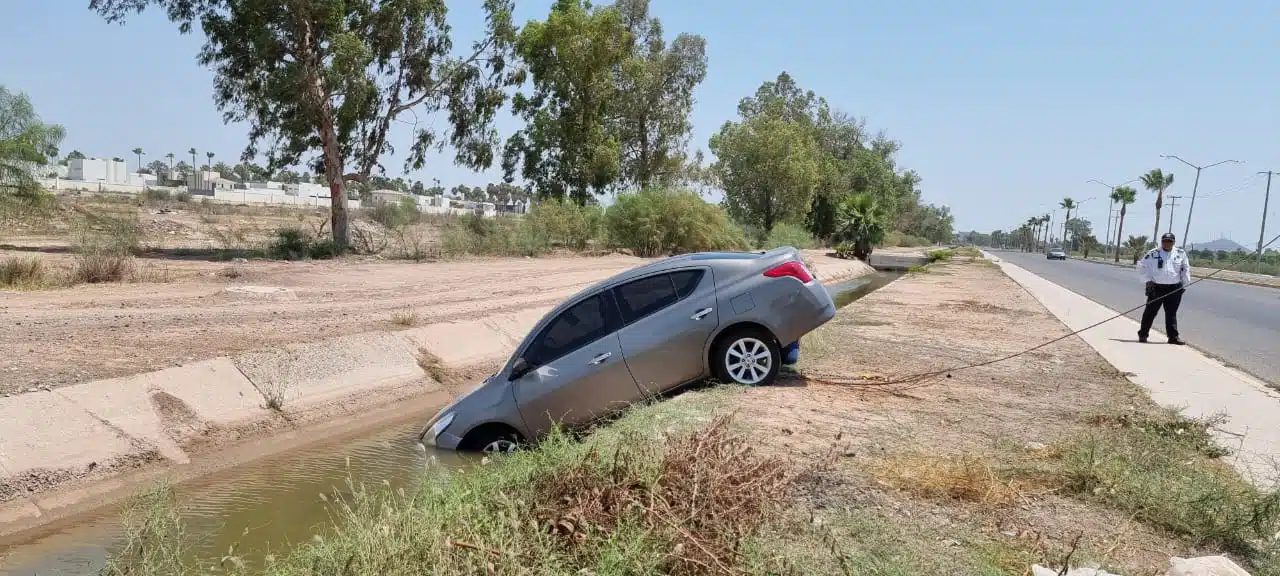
(749, 357)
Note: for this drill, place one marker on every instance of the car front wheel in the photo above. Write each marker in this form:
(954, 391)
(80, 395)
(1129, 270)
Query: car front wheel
(749, 357)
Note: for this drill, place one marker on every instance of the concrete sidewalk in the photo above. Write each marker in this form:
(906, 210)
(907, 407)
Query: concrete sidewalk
(1175, 376)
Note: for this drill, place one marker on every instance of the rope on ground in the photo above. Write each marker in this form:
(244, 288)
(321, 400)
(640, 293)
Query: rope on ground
(897, 386)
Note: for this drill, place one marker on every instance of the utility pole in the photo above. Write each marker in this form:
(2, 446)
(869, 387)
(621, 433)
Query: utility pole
(1173, 202)
(1266, 199)
(1186, 231)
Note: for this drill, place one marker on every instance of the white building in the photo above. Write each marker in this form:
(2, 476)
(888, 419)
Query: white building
(98, 170)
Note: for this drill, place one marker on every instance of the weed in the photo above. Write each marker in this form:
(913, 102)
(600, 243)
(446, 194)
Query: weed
(903, 240)
(22, 272)
(1163, 469)
(918, 269)
(155, 541)
(293, 243)
(969, 251)
(274, 394)
(788, 234)
(405, 317)
(156, 195)
(182, 196)
(967, 478)
(940, 256)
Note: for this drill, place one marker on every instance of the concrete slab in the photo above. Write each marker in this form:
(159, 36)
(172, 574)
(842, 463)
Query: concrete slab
(1175, 376)
(45, 431)
(474, 341)
(885, 261)
(306, 374)
(166, 407)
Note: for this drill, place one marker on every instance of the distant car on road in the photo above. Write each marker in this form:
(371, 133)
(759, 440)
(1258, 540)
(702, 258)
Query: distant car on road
(1056, 254)
(733, 316)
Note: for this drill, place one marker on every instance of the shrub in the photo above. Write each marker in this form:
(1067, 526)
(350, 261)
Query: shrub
(97, 266)
(182, 196)
(296, 244)
(902, 240)
(788, 234)
(396, 214)
(941, 256)
(564, 224)
(22, 272)
(655, 222)
(156, 195)
(108, 231)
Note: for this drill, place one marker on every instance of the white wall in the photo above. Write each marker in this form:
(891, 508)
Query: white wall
(94, 169)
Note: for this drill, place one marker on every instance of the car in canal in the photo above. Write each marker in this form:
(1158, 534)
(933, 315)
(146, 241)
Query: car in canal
(733, 316)
(1056, 254)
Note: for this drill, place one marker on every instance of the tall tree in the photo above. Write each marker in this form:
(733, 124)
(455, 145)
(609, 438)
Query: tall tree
(567, 147)
(210, 156)
(332, 77)
(159, 168)
(139, 153)
(1124, 196)
(26, 143)
(194, 164)
(1157, 181)
(170, 156)
(656, 84)
(768, 168)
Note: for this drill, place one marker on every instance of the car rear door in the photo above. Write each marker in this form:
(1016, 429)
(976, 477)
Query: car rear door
(667, 319)
(577, 372)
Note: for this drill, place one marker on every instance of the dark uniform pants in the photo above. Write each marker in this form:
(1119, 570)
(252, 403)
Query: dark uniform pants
(1172, 294)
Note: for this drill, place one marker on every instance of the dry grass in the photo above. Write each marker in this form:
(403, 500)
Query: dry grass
(101, 266)
(232, 272)
(405, 317)
(968, 478)
(23, 272)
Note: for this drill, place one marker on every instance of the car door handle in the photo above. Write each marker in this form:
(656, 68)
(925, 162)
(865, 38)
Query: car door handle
(599, 359)
(700, 314)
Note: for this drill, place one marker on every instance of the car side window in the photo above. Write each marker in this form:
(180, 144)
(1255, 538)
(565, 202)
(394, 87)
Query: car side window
(640, 298)
(581, 324)
(686, 281)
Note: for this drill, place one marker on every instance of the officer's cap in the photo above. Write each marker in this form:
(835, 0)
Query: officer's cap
(1167, 236)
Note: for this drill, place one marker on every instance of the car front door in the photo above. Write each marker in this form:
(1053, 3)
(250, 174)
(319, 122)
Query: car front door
(667, 319)
(575, 369)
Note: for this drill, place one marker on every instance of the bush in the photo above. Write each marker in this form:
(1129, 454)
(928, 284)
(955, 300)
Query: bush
(22, 272)
(157, 195)
(565, 224)
(941, 256)
(98, 266)
(296, 244)
(115, 232)
(656, 222)
(897, 239)
(182, 196)
(397, 214)
(788, 234)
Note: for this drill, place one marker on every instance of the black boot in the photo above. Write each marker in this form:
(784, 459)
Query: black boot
(1177, 342)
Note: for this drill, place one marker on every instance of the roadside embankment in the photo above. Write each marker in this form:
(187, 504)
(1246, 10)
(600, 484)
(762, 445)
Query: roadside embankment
(855, 465)
(63, 448)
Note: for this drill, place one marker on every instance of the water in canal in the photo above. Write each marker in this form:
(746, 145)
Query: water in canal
(276, 502)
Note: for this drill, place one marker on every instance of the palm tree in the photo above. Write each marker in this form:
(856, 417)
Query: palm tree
(1029, 242)
(860, 223)
(139, 153)
(1124, 195)
(1068, 204)
(1136, 244)
(170, 156)
(1044, 225)
(1157, 181)
(210, 156)
(192, 152)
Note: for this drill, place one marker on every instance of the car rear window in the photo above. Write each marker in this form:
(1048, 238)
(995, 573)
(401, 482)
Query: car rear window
(686, 281)
(640, 298)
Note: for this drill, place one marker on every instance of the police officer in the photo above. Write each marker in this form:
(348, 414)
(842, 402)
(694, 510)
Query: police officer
(1166, 271)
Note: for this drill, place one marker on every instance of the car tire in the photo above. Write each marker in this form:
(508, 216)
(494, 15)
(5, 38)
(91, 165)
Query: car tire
(762, 353)
(492, 442)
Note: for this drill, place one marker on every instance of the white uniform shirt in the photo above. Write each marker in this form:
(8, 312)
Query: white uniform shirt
(1176, 269)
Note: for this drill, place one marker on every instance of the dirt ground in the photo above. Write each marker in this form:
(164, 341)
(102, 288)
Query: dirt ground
(840, 410)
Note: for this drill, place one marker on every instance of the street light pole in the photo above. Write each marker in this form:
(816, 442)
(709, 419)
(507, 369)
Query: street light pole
(1262, 233)
(1112, 207)
(1186, 231)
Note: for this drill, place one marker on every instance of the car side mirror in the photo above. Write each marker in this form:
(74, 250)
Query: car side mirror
(520, 368)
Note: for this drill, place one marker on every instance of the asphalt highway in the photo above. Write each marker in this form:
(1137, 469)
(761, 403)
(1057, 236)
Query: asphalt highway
(1237, 323)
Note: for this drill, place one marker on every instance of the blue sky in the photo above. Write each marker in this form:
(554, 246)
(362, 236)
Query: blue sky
(1004, 107)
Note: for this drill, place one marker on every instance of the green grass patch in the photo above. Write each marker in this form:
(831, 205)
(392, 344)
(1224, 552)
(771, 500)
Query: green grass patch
(940, 256)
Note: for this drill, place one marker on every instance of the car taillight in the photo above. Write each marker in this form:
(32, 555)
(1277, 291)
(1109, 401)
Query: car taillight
(793, 269)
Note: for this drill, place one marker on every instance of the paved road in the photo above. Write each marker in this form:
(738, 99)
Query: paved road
(1239, 324)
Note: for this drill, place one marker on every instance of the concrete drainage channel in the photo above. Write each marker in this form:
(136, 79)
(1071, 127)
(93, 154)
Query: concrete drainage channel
(277, 500)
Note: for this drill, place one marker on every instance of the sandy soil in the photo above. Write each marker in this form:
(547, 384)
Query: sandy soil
(61, 337)
(952, 315)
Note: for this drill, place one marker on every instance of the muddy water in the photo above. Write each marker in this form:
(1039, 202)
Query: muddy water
(275, 502)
